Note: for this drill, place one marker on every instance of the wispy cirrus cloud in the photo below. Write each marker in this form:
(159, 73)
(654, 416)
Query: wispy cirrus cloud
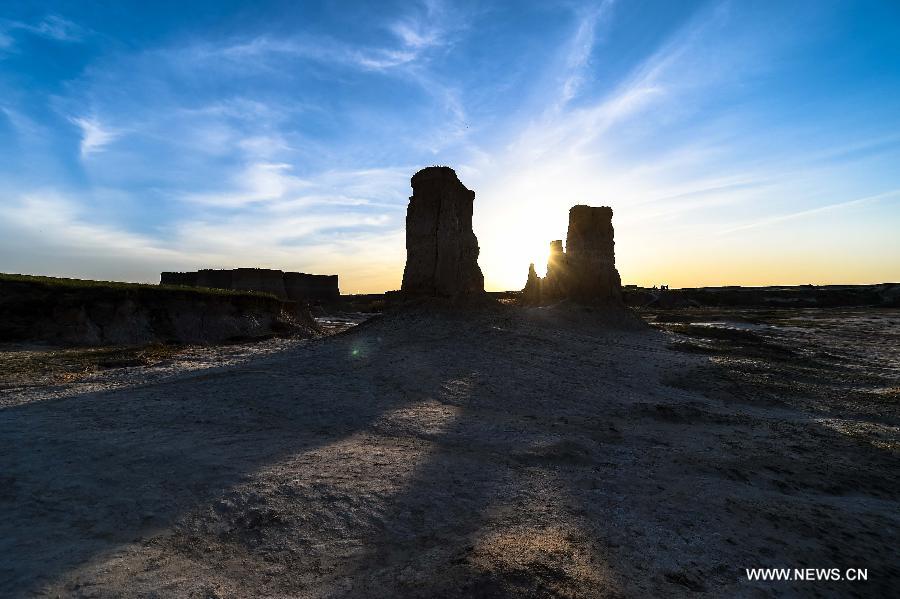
(577, 58)
(57, 28)
(52, 27)
(95, 136)
(417, 33)
(276, 187)
(427, 27)
(261, 182)
(780, 218)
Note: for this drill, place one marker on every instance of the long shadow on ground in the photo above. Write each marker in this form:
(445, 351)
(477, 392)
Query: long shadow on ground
(82, 475)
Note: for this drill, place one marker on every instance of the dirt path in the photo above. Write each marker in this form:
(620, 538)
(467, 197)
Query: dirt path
(510, 453)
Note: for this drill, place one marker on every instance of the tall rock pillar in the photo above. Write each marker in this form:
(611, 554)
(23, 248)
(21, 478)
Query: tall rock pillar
(590, 256)
(441, 248)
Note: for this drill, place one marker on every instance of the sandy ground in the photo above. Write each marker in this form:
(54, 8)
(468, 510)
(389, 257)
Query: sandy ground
(526, 453)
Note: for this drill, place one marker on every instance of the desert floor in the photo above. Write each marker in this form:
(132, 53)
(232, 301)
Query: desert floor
(505, 452)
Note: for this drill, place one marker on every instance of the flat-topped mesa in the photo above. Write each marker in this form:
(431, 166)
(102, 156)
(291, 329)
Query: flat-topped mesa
(586, 271)
(441, 248)
(265, 280)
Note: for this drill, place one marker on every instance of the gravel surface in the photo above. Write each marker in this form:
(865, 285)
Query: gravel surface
(504, 452)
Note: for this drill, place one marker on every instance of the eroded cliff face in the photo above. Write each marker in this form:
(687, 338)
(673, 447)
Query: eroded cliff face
(138, 314)
(441, 248)
(586, 271)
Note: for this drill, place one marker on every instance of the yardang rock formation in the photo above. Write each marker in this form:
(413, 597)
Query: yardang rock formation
(441, 248)
(586, 271)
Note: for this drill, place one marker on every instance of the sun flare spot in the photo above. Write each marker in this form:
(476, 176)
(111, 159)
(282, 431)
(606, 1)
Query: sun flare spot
(508, 268)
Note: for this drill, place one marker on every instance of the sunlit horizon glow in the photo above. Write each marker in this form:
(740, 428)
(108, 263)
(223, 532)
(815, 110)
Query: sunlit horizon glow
(737, 144)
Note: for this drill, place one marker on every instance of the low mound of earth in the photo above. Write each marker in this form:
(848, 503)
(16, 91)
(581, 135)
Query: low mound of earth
(95, 313)
(513, 452)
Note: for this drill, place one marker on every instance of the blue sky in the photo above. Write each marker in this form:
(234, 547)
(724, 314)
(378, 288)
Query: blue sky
(737, 142)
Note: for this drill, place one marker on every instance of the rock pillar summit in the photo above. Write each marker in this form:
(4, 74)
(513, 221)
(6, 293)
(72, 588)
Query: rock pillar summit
(441, 248)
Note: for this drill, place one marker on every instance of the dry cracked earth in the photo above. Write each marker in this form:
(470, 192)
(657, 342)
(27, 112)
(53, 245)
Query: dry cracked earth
(554, 452)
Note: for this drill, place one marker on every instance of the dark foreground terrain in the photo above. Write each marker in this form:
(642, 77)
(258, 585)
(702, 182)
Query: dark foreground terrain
(513, 452)
(67, 312)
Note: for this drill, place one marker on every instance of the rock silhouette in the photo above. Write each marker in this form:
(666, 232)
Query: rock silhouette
(92, 313)
(301, 286)
(532, 291)
(586, 271)
(294, 286)
(441, 248)
(590, 256)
